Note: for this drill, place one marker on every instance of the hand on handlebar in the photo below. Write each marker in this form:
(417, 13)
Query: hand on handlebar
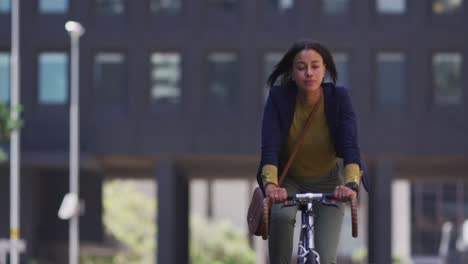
(279, 195)
(276, 194)
(344, 194)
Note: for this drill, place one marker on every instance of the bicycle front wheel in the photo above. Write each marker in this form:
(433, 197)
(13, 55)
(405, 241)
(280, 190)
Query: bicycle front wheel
(312, 258)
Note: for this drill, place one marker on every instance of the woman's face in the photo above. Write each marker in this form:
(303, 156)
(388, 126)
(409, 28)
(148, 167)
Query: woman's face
(308, 70)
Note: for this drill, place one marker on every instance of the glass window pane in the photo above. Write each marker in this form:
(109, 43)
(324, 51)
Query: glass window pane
(282, 5)
(436, 217)
(223, 75)
(390, 78)
(269, 62)
(110, 7)
(165, 78)
(342, 67)
(429, 203)
(5, 6)
(4, 77)
(228, 5)
(109, 80)
(53, 78)
(440, 7)
(53, 6)
(336, 7)
(447, 80)
(391, 6)
(165, 5)
(449, 201)
(425, 226)
(465, 201)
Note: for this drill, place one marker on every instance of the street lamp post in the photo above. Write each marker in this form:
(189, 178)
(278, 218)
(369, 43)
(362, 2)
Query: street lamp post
(75, 31)
(15, 136)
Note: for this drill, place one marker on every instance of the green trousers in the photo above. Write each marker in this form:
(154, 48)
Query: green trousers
(327, 222)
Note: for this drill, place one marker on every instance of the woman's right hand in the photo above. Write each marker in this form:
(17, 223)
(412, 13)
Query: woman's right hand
(276, 194)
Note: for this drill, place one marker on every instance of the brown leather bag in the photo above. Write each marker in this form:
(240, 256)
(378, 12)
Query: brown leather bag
(255, 214)
(258, 215)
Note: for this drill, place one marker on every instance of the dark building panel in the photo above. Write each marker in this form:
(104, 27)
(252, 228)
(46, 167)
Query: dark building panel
(218, 109)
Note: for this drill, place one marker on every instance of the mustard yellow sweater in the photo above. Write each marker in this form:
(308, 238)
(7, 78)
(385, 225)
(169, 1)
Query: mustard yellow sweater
(316, 156)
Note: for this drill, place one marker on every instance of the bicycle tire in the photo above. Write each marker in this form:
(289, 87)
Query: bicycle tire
(311, 259)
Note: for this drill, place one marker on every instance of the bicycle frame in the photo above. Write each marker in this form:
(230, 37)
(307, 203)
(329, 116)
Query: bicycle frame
(306, 248)
(306, 253)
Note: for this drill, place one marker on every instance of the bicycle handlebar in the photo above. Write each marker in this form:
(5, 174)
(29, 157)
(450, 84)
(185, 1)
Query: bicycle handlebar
(309, 197)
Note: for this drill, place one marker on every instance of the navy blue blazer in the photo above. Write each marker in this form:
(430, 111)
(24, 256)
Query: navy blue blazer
(278, 116)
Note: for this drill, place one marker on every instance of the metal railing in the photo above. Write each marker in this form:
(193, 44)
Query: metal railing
(6, 245)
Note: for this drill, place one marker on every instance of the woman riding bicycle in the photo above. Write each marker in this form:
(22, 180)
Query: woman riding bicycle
(332, 134)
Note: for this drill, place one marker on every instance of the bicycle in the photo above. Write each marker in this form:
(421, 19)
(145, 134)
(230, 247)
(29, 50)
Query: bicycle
(306, 249)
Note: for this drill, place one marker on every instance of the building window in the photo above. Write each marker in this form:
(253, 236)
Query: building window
(227, 5)
(270, 60)
(390, 78)
(282, 5)
(4, 77)
(465, 199)
(449, 199)
(165, 77)
(342, 67)
(425, 237)
(109, 77)
(53, 78)
(110, 7)
(223, 79)
(435, 208)
(53, 6)
(171, 6)
(447, 78)
(5, 6)
(441, 7)
(336, 7)
(391, 6)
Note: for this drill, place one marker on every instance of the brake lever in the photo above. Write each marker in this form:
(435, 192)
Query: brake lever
(329, 202)
(289, 204)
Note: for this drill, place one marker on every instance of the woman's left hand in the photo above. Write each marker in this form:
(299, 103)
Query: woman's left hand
(344, 194)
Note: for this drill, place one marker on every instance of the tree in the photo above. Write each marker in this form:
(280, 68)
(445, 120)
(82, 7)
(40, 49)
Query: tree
(130, 218)
(7, 126)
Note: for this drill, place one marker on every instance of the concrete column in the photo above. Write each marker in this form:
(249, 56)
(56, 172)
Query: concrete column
(261, 250)
(401, 219)
(173, 213)
(380, 213)
(260, 246)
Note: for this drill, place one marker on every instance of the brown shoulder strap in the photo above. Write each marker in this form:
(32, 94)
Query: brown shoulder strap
(299, 141)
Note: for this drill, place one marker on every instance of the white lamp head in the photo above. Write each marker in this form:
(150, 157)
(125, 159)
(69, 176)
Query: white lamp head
(74, 28)
(69, 207)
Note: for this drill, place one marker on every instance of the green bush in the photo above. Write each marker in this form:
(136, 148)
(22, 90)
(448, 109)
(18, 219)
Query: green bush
(225, 244)
(360, 256)
(130, 218)
(96, 260)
